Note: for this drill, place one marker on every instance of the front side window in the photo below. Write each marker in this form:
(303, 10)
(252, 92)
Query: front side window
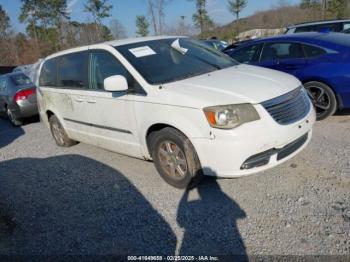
(249, 54)
(281, 51)
(72, 70)
(173, 59)
(313, 51)
(103, 65)
(48, 75)
(20, 80)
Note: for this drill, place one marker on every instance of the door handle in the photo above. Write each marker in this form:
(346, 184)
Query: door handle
(79, 99)
(91, 101)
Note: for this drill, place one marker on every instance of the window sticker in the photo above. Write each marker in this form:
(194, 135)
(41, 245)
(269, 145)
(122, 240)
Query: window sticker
(142, 51)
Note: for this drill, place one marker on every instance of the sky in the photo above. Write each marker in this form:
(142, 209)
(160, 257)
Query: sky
(126, 11)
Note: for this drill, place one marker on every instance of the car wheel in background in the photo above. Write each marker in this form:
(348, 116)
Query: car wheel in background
(323, 98)
(175, 158)
(11, 116)
(59, 134)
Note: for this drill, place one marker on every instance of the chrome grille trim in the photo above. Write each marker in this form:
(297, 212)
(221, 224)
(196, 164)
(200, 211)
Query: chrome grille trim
(290, 107)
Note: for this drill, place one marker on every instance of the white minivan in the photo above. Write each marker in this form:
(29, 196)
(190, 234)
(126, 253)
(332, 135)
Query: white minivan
(191, 109)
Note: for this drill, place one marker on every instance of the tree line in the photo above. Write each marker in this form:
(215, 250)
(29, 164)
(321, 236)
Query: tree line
(50, 28)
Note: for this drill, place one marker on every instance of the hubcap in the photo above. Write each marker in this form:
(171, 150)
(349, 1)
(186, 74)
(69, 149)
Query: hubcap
(172, 159)
(320, 99)
(58, 133)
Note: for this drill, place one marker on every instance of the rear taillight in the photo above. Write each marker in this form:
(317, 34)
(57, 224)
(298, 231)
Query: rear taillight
(24, 94)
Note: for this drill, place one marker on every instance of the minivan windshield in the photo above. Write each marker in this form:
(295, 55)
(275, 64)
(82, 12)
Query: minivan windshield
(167, 60)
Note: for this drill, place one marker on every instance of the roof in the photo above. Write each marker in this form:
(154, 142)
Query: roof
(318, 23)
(113, 43)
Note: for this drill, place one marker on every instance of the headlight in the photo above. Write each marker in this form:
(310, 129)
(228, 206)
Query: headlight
(230, 116)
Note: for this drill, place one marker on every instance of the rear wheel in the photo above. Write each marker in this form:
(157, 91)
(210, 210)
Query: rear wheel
(323, 99)
(59, 134)
(11, 116)
(175, 158)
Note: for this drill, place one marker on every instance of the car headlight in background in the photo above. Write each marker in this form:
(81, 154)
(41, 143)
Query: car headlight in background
(230, 116)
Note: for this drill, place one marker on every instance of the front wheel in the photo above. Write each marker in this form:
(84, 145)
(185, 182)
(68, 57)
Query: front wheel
(323, 98)
(175, 158)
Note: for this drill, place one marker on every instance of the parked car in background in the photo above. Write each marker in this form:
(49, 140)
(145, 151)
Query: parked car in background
(17, 97)
(319, 26)
(192, 110)
(320, 60)
(217, 44)
(347, 31)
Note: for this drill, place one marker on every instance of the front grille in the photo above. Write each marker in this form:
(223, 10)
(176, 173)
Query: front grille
(289, 108)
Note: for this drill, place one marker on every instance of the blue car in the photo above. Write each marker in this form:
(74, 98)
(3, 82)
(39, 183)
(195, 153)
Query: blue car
(320, 60)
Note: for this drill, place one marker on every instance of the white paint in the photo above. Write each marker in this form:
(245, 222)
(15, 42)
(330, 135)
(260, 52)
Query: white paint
(180, 104)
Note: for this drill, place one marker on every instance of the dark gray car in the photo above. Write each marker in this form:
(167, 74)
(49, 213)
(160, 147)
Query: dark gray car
(17, 97)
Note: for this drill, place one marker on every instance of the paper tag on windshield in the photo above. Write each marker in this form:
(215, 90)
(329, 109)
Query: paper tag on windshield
(142, 51)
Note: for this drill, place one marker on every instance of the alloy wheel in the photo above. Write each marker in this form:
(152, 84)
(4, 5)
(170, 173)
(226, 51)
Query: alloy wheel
(172, 159)
(320, 99)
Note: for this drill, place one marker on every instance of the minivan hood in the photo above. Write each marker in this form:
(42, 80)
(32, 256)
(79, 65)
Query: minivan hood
(238, 84)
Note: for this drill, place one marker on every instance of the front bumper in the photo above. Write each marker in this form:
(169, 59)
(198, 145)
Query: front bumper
(226, 154)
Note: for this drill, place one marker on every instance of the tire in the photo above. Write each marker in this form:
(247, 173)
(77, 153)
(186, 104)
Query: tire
(175, 158)
(323, 98)
(59, 134)
(14, 121)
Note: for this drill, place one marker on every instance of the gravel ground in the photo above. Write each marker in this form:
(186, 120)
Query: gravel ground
(85, 200)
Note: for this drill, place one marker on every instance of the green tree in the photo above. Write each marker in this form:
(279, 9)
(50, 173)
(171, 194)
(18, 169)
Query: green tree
(236, 6)
(99, 9)
(142, 25)
(44, 18)
(306, 4)
(201, 18)
(4, 22)
(340, 8)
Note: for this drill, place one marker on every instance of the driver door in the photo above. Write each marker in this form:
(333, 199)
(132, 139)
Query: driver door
(111, 114)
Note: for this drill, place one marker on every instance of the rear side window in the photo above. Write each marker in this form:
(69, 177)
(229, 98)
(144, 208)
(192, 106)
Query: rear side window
(20, 80)
(72, 70)
(302, 29)
(249, 54)
(103, 65)
(313, 51)
(48, 75)
(280, 51)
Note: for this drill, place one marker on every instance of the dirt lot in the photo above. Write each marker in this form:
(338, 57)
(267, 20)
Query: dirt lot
(85, 200)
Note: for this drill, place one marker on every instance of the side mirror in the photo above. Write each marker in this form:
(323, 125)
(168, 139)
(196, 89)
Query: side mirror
(115, 83)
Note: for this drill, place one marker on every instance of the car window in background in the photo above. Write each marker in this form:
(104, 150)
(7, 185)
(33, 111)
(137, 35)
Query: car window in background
(313, 51)
(280, 51)
(20, 80)
(249, 54)
(309, 28)
(48, 75)
(167, 60)
(72, 70)
(104, 65)
(346, 26)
